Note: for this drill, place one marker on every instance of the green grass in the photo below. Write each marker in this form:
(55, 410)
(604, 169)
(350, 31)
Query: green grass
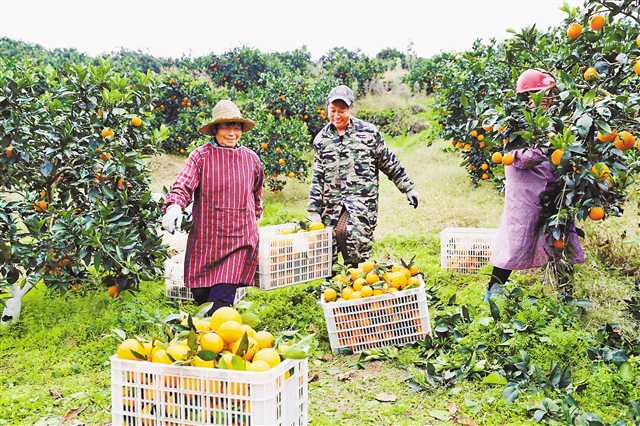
(56, 358)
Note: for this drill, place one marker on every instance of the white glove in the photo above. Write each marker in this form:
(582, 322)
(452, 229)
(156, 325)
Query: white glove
(172, 219)
(315, 218)
(412, 196)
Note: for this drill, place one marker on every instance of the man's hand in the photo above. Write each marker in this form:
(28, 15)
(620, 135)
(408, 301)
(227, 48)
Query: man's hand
(413, 198)
(172, 219)
(315, 218)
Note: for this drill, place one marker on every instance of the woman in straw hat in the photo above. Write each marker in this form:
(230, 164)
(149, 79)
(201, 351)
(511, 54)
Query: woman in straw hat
(225, 182)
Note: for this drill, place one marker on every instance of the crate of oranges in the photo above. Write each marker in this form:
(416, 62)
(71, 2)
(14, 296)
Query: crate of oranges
(466, 250)
(293, 253)
(375, 305)
(212, 371)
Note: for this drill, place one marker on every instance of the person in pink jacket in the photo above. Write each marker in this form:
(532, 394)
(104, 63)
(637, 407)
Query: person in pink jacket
(225, 182)
(521, 243)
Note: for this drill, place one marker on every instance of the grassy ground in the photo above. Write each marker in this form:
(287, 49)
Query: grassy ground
(55, 361)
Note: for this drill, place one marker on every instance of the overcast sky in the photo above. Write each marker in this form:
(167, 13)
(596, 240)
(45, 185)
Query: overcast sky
(174, 28)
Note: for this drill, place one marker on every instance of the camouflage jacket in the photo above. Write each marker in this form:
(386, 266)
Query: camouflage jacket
(346, 173)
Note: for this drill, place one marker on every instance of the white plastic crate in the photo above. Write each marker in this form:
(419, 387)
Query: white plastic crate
(174, 281)
(390, 319)
(466, 250)
(145, 393)
(286, 259)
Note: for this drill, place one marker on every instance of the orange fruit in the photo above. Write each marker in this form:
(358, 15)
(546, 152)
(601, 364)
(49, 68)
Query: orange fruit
(120, 183)
(230, 331)
(355, 295)
(558, 244)
(113, 291)
(40, 205)
(8, 151)
(507, 160)
(482, 145)
(372, 278)
(258, 365)
(127, 347)
(480, 138)
(556, 157)
(638, 40)
(597, 22)
(211, 342)
(105, 156)
(574, 30)
(264, 339)
(106, 133)
(596, 213)
(199, 362)
(359, 283)
(282, 161)
(607, 137)
(591, 74)
(601, 171)
(291, 174)
(484, 166)
(637, 67)
(264, 145)
(474, 133)
(488, 128)
(366, 291)
(485, 176)
(346, 293)
(497, 157)
(625, 140)
(136, 121)
(330, 295)
(223, 315)
(367, 266)
(268, 355)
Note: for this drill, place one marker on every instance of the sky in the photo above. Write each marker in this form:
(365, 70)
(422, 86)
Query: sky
(193, 28)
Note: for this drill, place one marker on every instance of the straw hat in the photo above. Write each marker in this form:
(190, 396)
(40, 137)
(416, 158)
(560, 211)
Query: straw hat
(226, 111)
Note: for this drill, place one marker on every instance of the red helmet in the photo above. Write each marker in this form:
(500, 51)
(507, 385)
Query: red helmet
(533, 80)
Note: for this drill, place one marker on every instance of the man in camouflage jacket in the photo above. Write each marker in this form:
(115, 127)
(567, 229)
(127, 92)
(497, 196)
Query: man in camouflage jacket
(349, 153)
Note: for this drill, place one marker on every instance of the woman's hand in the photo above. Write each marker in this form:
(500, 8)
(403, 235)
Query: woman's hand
(172, 219)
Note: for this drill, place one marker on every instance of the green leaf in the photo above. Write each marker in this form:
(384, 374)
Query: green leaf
(244, 345)
(207, 355)
(495, 378)
(439, 414)
(495, 311)
(584, 124)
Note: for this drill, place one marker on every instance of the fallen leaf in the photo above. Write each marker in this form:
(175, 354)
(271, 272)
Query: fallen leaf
(346, 376)
(453, 408)
(56, 395)
(439, 414)
(314, 378)
(71, 414)
(386, 397)
(465, 421)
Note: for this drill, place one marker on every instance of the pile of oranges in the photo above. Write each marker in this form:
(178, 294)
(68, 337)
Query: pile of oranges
(222, 341)
(371, 278)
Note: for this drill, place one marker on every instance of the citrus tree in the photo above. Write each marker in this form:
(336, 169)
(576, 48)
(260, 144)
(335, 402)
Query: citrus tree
(71, 146)
(183, 102)
(353, 68)
(589, 129)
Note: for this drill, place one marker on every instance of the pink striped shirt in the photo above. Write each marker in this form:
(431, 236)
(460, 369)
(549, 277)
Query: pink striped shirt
(226, 185)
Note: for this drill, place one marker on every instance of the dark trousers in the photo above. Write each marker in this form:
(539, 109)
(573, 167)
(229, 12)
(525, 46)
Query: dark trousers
(220, 294)
(499, 276)
(341, 238)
